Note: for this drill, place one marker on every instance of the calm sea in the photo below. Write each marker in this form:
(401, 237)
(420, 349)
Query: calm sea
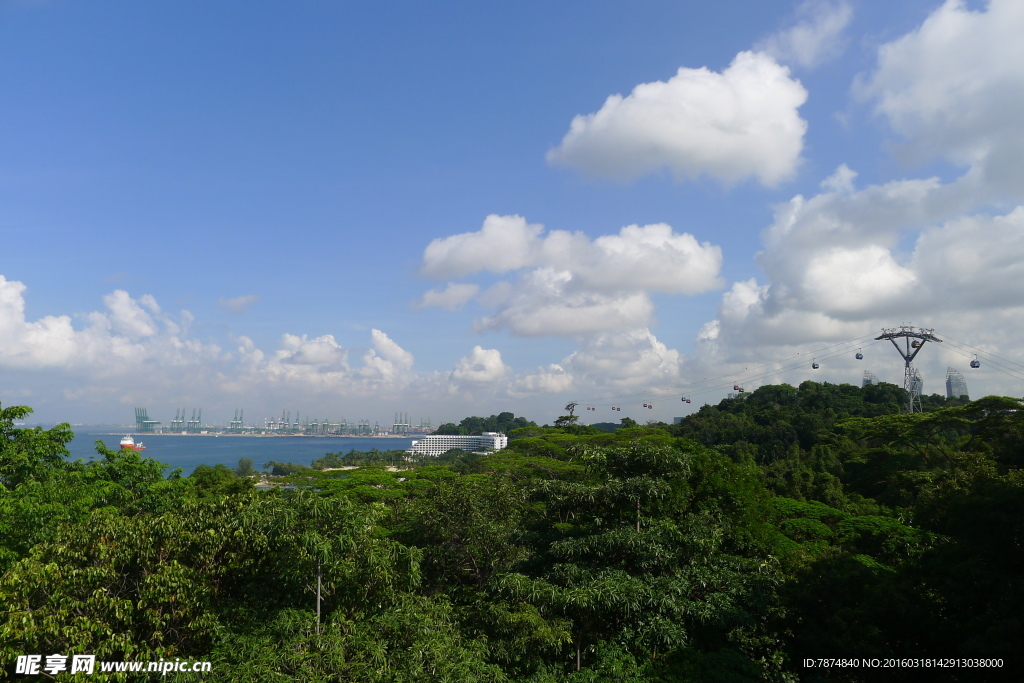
(188, 452)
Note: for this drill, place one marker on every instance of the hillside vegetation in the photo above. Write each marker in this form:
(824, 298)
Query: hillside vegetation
(792, 523)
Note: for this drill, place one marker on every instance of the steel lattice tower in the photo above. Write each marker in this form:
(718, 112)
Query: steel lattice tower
(912, 381)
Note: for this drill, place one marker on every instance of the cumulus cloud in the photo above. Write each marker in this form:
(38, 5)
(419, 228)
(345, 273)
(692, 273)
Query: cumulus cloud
(954, 89)
(815, 36)
(543, 305)
(841, 265)
(849, 260)
(568, 283)
(481, 366)
(607, 364)
(503, 243)
(849, 257)
(49, 341)
(118, 355)
(552, 379)
(132, 352)
(386, 360)
(628, 359)
(737, 124)
(320, 352)
(239, 304)
(127, 316)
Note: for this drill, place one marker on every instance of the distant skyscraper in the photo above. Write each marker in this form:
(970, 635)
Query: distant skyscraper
(956, 385)
(869, 378)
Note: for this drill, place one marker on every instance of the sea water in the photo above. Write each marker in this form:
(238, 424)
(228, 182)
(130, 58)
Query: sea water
(188, 452)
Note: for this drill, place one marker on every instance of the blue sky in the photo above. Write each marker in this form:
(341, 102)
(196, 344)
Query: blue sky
(350, 209)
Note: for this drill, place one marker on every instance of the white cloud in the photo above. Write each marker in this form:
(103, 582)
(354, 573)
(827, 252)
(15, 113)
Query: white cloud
(842, 281)
(631, 359)
(842, 264)
(569, 284)
(503, 243)
(49, 341)
(481, 366)
(127, 317)
(320, 352)
(972, 262)
(239, 304)
(452, 297)
(740, 123)
(552, 379)
(850, 260)
(386, 360)
(954, 89)
(840, 182)
(649, 257)
(130, 353)
(543, 303)
(117, 356)
(816, 35)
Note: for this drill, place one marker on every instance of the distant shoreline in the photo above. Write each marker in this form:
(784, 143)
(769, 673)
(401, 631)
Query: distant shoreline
(281, 436)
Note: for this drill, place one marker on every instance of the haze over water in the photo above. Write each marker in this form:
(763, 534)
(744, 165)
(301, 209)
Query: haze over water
(188, 452)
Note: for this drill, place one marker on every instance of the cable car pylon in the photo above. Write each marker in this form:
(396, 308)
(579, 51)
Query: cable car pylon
(913, 341)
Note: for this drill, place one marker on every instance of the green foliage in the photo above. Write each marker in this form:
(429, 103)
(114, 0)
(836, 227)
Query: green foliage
(245, 468)
(284, 469)
(220, 479)
(27, 454)
(503, 422)
(354, 458)
(795, 522)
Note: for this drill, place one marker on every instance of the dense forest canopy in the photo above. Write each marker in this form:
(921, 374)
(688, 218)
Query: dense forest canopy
(503, 422)
(792, 523)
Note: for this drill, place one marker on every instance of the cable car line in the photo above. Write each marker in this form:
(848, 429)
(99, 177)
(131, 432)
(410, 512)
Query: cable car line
(753, 374)
(625, 398)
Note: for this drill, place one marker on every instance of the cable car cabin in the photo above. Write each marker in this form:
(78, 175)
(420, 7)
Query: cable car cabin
(916, 344)
(685, 400)
(645, 405)
(975, 363)
(859, 356)
(651, 407)
(814, 365)
(736, 387)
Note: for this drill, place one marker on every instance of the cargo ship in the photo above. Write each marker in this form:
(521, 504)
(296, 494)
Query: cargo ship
(128, 444)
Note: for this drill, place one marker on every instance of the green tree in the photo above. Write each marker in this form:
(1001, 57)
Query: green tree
(245, 468)
(27, 454)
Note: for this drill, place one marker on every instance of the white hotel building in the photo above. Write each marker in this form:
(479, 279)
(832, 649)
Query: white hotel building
(437, 444)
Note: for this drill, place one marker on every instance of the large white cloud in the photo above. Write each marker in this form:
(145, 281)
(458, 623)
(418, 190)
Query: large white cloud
(948, 255)
(545, 303)
(126, 337)
(741, 123)
(954, 89)
(481, 366)
(633, 359)
(842, 265)
(606, 367)
(569, 284)
(503, 243)
(552, 379)
(387, 360)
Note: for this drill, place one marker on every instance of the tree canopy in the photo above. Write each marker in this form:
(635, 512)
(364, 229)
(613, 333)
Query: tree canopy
(791, 523)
